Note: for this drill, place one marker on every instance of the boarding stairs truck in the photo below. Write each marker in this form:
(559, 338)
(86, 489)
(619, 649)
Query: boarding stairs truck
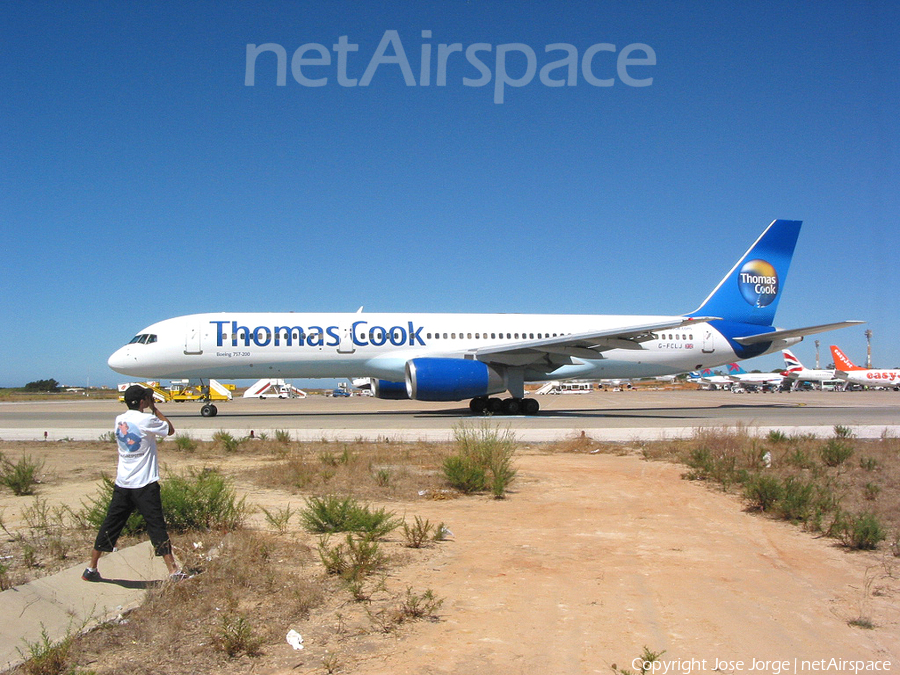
(565, 388)
(273, 388)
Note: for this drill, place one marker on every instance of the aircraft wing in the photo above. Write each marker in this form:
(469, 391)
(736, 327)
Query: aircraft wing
(781, 333)
(590, 345)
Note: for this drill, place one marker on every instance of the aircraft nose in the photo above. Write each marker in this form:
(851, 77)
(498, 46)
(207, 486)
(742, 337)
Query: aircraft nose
(121, 360)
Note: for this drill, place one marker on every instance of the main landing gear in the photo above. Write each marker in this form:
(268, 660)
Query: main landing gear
(483, 405)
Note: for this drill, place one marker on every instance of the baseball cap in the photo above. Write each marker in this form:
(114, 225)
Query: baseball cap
(135, 394)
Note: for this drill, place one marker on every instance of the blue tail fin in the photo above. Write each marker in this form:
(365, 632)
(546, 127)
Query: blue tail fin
(749, 293)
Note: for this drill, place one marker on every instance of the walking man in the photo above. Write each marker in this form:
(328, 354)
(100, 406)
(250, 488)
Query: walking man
(137, 480)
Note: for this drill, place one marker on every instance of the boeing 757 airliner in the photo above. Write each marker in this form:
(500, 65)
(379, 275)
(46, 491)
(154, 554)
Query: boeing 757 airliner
(452, 357)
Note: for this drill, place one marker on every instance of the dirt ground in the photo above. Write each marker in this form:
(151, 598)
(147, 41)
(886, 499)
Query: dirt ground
(592, 558)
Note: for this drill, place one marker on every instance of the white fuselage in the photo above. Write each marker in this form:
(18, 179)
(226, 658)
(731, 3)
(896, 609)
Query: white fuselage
(876, 377)
(757, 378)
(811, 375)
(328, 345)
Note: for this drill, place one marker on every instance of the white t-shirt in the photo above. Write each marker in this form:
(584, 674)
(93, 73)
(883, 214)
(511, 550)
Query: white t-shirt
(136, 434)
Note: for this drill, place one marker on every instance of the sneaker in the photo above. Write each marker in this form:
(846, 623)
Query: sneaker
(91, 575)
(178, 576)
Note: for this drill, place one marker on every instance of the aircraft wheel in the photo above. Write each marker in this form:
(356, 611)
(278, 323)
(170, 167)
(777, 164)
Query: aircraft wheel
(512, 406)
(530, 406)
(209, 410)
(494, 405)
(478, 405)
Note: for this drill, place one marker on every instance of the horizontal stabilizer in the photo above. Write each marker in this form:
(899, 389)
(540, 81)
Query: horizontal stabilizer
(785, 333)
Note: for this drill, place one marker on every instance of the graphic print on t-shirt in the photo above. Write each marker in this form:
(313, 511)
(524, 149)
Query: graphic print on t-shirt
(128, 436)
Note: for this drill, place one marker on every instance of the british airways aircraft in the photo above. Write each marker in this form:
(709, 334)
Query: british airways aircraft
(453, 357)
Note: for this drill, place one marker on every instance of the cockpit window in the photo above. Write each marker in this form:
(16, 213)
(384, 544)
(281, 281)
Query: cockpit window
(151, 339)
(143, 338)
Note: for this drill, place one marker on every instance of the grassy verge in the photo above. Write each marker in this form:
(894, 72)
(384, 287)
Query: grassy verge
(251, 586)
(843, 487)
(328, 567)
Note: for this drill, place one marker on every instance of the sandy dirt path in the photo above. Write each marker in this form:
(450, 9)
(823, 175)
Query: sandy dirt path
(596, 556)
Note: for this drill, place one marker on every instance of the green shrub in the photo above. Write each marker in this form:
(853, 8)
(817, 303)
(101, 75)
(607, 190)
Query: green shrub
(198, 500)
(38, 515)
(835, 452)
(418, 534)
(483, 461)
(797, 499)
(278, 517)
(861, 532)
(840, 431)
(202, 500)
(800, 458)
(720, 466)
(329, 514)
(328, 458)
(375, 524)
(5, 582)
(871, 491)
(185, 443)
(868, 464)
(647, 660)
(777, 436)
(827, 501)
(47, 657)
(417, 606)
(463, 474)
(382, 477)
(763, 492)
(236, 636)
(701, 464)
(93, 511)
(21, 477)
(353, 559)
(228, 442)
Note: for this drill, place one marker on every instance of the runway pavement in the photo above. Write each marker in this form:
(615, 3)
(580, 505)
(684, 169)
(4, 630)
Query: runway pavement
(623, 415)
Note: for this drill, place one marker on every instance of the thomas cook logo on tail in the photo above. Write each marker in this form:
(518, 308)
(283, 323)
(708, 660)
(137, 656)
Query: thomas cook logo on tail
(758, 282)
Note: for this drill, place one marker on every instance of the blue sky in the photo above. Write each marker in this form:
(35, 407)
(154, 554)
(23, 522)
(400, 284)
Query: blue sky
(142, 179)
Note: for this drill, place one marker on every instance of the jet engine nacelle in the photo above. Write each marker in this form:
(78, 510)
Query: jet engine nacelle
(395, 391)
(430, 379)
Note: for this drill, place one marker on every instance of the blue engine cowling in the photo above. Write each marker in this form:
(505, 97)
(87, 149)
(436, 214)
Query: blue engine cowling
(430, 379)
(395, 391)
